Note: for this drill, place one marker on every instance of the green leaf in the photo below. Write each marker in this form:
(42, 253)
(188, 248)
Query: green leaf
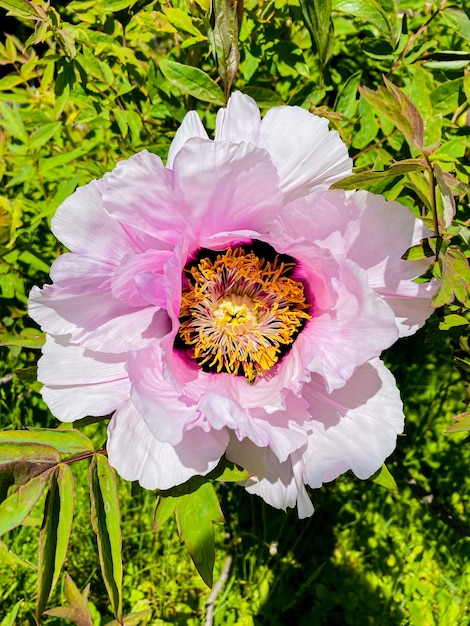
(452, 320)
(233, 474)
(444, 197)
(224, 39)
(384, 478)
(366, 179)
(10, 618)
(462, 423)
(43, 134)
(371, 11)
(455, 282)
(265, 98)
(11, 560)
(27, 338)
(132, 619)
(16, 507)
(77, 610)
(392, 102)
(419, 251)
(20, 461)
(11, 120)
(55, 533)
(346, 102)
(164, 508)
(23, 8)
(196, 514)
(193, 81)
(181, 21)
(68, 441)
(106, 520)
(319, 23)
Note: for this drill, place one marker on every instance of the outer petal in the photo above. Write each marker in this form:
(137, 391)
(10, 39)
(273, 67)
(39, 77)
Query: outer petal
(137, 455)
(79, 382)
(95, 319)
(354, 427)
(240, 121)
(306, 153)
(190, 127)
(82, 225)
(275, 482)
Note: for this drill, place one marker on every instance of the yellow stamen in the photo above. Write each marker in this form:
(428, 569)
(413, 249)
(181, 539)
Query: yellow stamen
(241, 313)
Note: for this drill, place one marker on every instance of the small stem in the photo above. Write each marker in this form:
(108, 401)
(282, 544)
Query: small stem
(432, 192)
(81, 457)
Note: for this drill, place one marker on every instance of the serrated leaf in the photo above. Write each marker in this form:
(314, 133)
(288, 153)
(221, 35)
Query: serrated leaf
(196, 514)
(106, 521)
(16, 507)
(384, 478)
(366, 179)
(461, 423)
(69, 441)
(55, 533)
(77, 610)
(193, 81)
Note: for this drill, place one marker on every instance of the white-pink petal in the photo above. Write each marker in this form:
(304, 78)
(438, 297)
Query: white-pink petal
(353, 428)
(136, 454)
(79, 382)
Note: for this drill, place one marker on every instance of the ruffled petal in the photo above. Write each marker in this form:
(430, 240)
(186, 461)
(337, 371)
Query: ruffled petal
(139, 279)
(353, 428)
(226, 187)
(137, 455)
(79, 382)
(140, 193)
(82, 225)
(167, 411)
(306, 153)
(95, 319)
(191, 126)
(272, 480)
(240, 121)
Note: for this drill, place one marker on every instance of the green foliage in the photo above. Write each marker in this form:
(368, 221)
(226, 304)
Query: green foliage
(86, 83)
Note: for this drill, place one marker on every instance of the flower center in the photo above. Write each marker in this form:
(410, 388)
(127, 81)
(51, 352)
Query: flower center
(241, 310)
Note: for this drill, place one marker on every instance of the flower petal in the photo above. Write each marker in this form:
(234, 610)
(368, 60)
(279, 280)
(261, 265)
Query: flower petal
(158, 465)
(226, 187)
(306, 153)
(79, 382)
(191, 126)
(240, 121)
(82, 225)
(354, 427)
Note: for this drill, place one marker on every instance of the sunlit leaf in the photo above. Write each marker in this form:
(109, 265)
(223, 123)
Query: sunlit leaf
(196, 514)
(10, 617)
(27, 338)
(77, 610)
(461, 423)
(16, 507)
(193, 81)
(455, 282)
(55, 533)
(106, 522)
(43, 134)
(69, 441)
(23, 8)
(164, 509)
(384, 478)
(224, 39)
(362, 180)
(319, 23)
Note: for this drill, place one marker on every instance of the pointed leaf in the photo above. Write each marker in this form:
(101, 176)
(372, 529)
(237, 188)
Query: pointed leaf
(17, 506)
(69, 441)
(455, 282)
(384, 478)
(224, 39)
(319, 23)
(132, 619)
(77, 610)
(10, 617)
(164, 509)
(106, 522)
(362, 180)
(43, 134)
(22, 8)
(19, 462)
(196, 514)
(55, 533)
(445, 198)
(193, 81)
(462, 423)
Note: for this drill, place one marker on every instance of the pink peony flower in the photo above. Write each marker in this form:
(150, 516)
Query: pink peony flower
(229, 303)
